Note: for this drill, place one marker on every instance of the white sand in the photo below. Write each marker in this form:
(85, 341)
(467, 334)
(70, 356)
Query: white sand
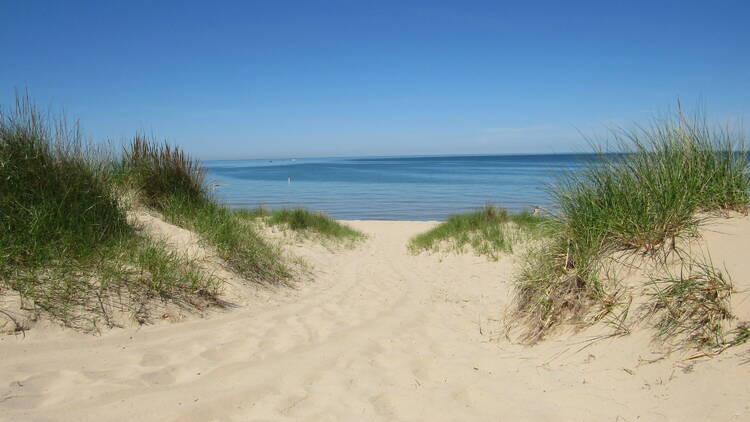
(379, 335)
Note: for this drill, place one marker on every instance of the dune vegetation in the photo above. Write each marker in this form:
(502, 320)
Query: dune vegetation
(69, 250)
(691, 304)
(174, 184)
(489, 231)
(305, 222)
(665, 180)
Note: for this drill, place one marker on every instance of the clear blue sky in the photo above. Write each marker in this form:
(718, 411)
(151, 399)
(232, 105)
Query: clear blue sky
(321, 78)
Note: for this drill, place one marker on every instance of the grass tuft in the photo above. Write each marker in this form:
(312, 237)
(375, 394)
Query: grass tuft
(55, 201)
(741, 334)
(159, 171)
(692, 306)
(489, 231)
(65, 244)
(306, 222)
(123, 278)
(233, 236)
(549, 291)
(640, 199)
(171, 182)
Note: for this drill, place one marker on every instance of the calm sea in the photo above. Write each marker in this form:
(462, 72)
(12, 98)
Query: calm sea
(391, 188)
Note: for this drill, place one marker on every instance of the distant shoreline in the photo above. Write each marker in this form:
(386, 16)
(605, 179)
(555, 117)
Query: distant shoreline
(400, 156)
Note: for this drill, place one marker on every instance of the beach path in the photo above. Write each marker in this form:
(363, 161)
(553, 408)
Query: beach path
(379, 334)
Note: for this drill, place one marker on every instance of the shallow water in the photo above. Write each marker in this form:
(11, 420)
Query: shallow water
(391, 188)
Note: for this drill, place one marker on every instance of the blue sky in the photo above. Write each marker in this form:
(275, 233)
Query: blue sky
(324, 78)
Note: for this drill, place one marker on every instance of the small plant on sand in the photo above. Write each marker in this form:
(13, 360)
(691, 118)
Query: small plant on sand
(489, 231)
(639, 199)
(692, 306)
(741, 334)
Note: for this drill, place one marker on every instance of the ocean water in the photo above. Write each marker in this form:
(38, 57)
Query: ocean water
(391, 188)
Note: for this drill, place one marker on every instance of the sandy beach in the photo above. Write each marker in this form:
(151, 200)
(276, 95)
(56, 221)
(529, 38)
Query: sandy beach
(377, 334)
(374, 211)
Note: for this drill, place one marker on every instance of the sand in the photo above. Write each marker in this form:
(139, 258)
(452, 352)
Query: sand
(378, 334)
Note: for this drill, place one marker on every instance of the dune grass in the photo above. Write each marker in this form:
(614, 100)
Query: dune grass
(236, 241)
(641, 199)
(740, 334)
(173, 183)
(67, 249)
(305, 222)
(123, 278)
(160, 171)
(489, 231)
(692, 306)
(55, 200)
(65, 244)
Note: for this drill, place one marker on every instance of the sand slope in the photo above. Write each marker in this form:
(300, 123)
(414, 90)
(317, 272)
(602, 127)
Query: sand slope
(379, 335)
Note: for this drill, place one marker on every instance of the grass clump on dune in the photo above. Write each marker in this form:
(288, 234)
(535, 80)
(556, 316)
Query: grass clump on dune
(55, 200)
(67, 248)
(65, 244)
(171, 182)
(640, 199)
(652, 192)
(691, 306)
(123, 278)
(236, 241)
(489, 231)
(304, 221)
(548, 290)
(159, 172)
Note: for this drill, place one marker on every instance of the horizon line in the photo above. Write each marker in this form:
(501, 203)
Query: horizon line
(514, 154)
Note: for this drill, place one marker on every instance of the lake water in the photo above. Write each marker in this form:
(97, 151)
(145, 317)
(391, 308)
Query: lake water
(391, 188)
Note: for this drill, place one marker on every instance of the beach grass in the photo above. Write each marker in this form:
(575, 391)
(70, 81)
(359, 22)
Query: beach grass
(305, 222)
(160, 171)
(230, 234)
(740, 334)
(55, 200)
(488, 231)
(65, 243)
(691, 306)
(122, 278)
(171, 182)
(654, 190)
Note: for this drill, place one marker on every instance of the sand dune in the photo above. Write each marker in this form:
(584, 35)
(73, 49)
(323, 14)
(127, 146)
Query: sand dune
(378, 335)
